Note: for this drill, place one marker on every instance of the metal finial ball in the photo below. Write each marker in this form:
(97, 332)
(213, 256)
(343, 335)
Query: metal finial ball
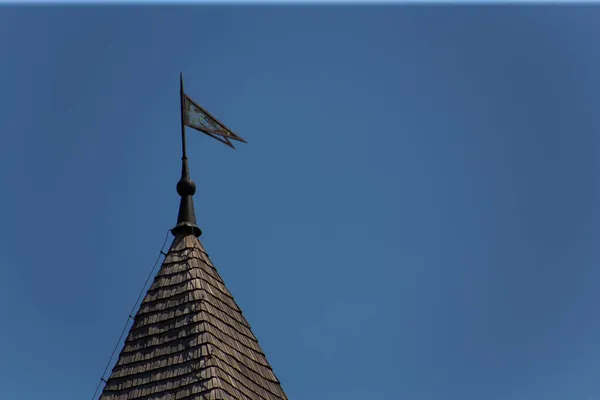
(185, 187)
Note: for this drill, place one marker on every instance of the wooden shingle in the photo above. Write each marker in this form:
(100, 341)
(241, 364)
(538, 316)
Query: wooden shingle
(190, 339)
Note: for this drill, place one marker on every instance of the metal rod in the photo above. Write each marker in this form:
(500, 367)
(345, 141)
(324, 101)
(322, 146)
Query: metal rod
(182, 101)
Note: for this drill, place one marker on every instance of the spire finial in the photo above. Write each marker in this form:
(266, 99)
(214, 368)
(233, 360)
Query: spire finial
(186, 219)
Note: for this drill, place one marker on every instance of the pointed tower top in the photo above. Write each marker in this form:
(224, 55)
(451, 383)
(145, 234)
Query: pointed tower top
(189, 339)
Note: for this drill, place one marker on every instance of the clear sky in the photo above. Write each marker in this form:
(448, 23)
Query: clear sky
(415, 215)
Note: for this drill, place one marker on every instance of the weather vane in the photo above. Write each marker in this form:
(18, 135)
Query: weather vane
(196, 117)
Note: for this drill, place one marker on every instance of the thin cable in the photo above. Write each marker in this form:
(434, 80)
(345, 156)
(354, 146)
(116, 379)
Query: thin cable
(130, 317)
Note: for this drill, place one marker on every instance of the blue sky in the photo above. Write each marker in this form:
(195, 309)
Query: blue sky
(415, 215)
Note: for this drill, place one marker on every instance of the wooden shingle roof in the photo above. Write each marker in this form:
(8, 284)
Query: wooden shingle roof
(189, 340)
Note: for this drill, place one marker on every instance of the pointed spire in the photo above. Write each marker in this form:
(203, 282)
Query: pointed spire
(189, 338)
(186, 219)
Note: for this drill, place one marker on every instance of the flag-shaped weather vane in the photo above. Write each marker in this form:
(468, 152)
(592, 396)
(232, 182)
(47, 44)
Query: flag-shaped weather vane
(196, 117)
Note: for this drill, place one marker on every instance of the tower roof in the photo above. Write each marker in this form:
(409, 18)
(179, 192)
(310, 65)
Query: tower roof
(190, 339)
